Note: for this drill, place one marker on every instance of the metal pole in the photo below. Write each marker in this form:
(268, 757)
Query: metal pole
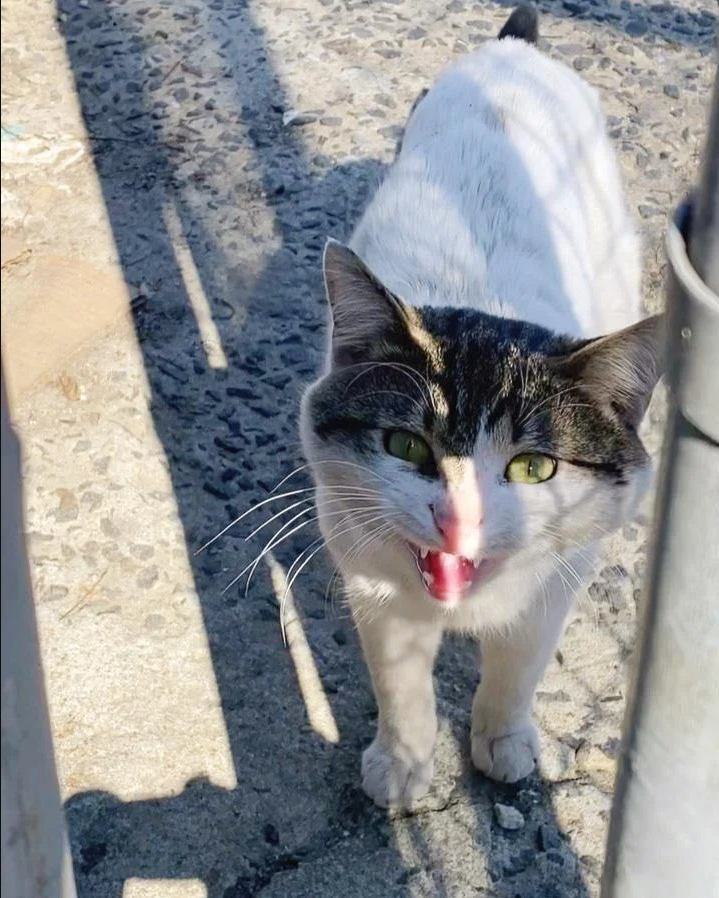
(35, 858)
(664, 831)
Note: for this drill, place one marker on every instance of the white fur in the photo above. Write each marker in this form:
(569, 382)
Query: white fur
(505, 198)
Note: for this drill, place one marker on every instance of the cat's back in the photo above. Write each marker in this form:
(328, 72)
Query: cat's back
(506, 196)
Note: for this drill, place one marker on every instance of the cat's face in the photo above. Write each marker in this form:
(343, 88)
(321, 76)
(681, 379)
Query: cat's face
(447, 444)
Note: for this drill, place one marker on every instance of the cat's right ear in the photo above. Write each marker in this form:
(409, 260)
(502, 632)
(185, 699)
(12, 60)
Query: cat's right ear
(365, 315)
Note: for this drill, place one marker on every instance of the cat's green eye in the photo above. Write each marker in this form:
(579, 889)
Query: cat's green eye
(531, 467)
(409, 447)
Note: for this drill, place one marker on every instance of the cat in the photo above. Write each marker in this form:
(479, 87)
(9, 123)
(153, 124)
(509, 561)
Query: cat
(474, 433)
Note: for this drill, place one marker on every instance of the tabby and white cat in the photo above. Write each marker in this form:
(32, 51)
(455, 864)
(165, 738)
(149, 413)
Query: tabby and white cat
(475, 431)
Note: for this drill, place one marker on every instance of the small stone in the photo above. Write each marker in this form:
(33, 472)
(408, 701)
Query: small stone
(69, 387)
(582, 63)
(385, 100)
(109, 529)
(227, 446)
(154, 622)
(293, 118)
(636, 27)
(548, 838)
(212, 565)
(241, 393)
(508, 818)
(597, 766)
(279, 381)
(392, 131)
(54, 593)
(557, 761)
(147, 577)
(265, 411)
(68, 509)
(520, 862)
(672, 91)
(217, 491)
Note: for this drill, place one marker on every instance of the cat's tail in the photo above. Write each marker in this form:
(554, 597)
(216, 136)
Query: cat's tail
(523, 24)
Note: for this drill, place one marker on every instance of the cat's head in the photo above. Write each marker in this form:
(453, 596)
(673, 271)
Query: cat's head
(446, 442)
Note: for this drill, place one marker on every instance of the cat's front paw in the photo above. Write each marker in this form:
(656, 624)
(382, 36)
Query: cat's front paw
(505, 757)
(393, 781)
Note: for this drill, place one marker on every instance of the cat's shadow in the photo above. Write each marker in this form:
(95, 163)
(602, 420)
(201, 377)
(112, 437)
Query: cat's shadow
(298, 807)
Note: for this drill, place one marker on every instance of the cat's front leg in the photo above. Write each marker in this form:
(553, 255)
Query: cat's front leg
(505, 743)
(397, 767)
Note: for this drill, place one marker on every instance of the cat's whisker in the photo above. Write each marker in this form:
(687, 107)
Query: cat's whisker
(350, 554)
(422, 385)
(524, 377)
(267, 548)
(305, 466)
(284, 480)
(535, 408)
(336, 461)
(578, 547)
(291, 577)
(580, 594)
(569, 568)
(359, 546)
(417, 405)
(275, 541)
(309, 499)
(545, 594)
(343, 497)
(244, 514)
(355, 550)
(568, 591)
(360, 521)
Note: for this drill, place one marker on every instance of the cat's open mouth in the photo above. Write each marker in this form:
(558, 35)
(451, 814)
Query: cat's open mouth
(447, 577)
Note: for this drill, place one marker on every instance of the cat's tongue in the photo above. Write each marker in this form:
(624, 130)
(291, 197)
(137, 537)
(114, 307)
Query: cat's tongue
(446, 576)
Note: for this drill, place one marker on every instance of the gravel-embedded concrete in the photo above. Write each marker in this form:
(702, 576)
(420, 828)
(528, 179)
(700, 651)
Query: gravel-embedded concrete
(170, 173)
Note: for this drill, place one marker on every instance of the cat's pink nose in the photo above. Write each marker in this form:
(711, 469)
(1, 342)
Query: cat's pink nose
(460, 536)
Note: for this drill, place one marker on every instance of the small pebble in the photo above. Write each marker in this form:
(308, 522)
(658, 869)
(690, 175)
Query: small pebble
(547, 838)
(293, 118)
(508, 817)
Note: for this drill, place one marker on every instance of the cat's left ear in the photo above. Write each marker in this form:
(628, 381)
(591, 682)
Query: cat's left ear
(621, 369)
(365, 315)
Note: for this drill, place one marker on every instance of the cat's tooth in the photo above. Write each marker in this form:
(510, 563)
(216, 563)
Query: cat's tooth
(423, 553)
(428, 580)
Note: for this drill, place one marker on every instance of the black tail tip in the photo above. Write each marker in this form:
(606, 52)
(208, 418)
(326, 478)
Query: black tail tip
(523, 24)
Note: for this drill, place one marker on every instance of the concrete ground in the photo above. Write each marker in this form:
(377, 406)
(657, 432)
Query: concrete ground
(170, 172)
